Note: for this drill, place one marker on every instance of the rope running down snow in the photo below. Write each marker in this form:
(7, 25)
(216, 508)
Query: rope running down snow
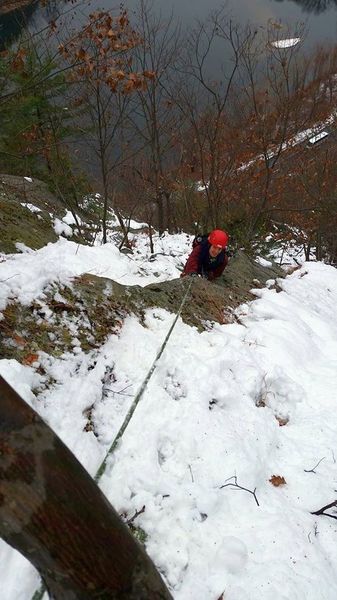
(38, 595)
(141, 389)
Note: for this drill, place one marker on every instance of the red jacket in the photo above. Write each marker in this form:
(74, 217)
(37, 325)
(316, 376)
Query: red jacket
(198, 262)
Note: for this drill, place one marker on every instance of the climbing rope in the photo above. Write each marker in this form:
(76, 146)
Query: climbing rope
(38, 595)
(142, 388)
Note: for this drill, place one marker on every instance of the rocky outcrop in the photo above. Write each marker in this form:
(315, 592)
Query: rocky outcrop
(105, 304)
(212, 301)
(107, 301)
(27, 210)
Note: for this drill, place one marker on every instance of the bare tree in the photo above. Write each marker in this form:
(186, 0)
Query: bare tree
(313, 203)
(286, 93)
(105, 80)
(156, 119)
(272, 83)
(211, 149)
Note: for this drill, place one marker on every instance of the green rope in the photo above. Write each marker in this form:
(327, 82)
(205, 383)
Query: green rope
(38, 595)
(141, 390)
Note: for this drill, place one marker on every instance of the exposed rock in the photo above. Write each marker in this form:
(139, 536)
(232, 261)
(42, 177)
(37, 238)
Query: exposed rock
(205, 302)
(17, 222)
(29, 190)
(212, 301)
(104, 302)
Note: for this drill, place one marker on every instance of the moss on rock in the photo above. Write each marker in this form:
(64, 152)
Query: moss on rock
(19, 224)
(92, 308)
(212, 301)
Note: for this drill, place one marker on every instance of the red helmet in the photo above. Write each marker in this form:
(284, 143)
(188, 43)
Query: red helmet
(219, 238)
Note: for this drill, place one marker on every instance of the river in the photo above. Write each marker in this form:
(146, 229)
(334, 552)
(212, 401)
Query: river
(318, 16)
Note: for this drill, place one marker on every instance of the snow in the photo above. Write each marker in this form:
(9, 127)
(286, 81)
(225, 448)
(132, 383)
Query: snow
(286, 43)
(21, 247)
(27, 276)
(202, 187)
(209, 421)
(135, 224)
(62, 228)
(69, 218)
(31, 207)
(263, 262)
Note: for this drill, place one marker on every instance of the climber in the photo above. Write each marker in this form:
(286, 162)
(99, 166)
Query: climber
(208, 258)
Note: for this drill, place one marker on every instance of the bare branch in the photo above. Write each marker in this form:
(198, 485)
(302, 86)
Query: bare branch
(322, 510)
(313, 468)
(240, 487)
(137, 513)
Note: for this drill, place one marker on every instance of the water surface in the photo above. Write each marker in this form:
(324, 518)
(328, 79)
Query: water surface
(319, 16)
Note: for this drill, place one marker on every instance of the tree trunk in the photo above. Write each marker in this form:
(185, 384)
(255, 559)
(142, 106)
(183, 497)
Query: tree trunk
(160, 212)
(52, 512)
(319, 253)
(168, 211)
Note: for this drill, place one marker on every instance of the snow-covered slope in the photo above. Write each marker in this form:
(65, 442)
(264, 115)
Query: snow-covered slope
(227, 414)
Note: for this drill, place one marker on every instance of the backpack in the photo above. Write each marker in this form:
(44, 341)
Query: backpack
(199, 239)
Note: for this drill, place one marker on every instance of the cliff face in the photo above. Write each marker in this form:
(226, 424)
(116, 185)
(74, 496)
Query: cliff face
(8, 6)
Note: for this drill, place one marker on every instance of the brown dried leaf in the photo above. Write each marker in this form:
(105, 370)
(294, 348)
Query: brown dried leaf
(277, 480)
(81, 54)
(30, 359)
(19, 340)
(149, 74)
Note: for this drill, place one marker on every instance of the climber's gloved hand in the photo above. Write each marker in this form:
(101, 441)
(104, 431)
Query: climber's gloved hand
(194, 274)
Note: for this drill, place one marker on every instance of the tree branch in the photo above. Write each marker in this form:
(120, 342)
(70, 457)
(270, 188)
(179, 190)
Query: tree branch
(236, 485)
(322, 510)
(313, 468)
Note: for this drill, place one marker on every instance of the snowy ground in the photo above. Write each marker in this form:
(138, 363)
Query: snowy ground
(239, 404)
